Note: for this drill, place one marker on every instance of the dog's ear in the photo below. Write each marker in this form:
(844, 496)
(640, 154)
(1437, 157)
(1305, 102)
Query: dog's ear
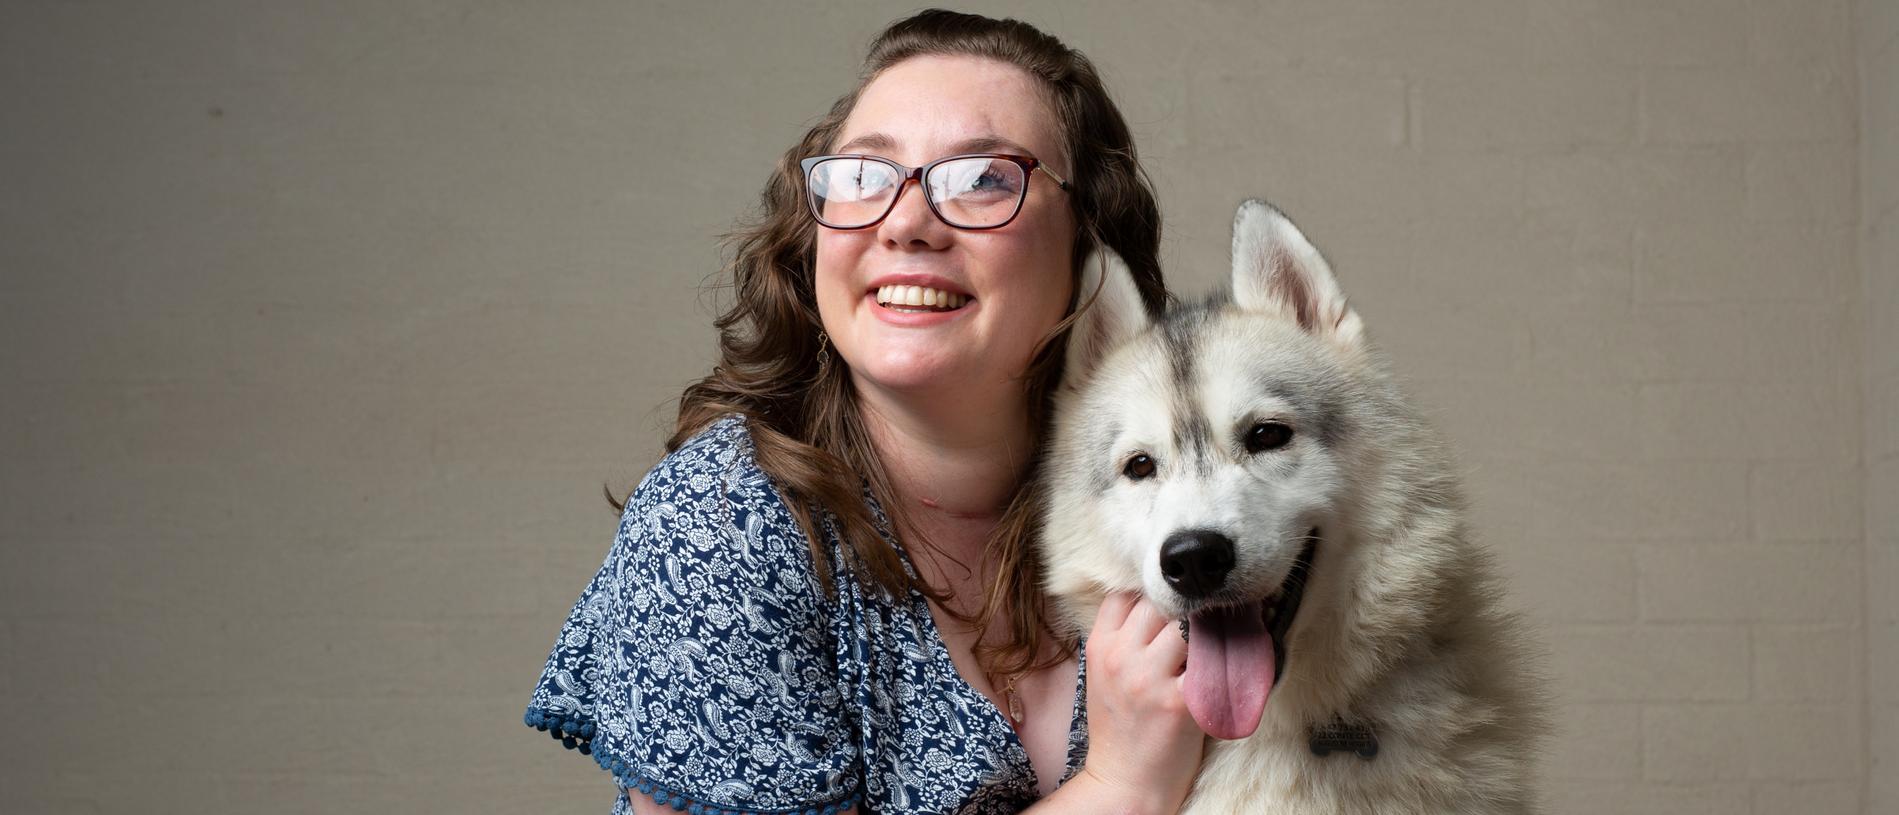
(1108, 311)
(1275, 269)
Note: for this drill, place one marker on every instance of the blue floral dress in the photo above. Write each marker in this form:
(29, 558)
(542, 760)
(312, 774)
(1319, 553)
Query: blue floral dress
(704, 666)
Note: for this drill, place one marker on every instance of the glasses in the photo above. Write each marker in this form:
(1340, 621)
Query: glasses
(972, 191)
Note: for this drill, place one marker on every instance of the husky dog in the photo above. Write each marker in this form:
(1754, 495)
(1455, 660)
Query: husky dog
(1249, 466)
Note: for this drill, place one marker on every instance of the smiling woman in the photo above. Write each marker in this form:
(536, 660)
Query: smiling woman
(823, 598)
(1014, 279)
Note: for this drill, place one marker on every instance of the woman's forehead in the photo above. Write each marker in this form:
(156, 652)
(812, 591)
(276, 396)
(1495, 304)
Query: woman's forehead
(931, 106)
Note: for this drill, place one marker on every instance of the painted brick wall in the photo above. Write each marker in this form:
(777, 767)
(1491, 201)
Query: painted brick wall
(1878, 49)
(321, 327)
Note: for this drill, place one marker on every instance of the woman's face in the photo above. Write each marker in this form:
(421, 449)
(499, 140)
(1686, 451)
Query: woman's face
(1013, 282)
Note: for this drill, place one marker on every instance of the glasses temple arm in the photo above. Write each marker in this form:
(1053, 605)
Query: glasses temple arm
(1059, 181)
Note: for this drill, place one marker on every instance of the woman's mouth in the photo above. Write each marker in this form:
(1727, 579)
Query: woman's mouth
(919, 299)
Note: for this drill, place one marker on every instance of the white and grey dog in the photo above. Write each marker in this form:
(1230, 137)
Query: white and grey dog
(1250, 467)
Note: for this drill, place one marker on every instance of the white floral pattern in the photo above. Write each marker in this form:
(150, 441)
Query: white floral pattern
(704, 666)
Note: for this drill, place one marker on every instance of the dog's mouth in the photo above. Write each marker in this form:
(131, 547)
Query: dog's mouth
(1237, 653)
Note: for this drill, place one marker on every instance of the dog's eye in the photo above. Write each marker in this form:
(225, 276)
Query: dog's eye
(1139, 468)
(1267, 436)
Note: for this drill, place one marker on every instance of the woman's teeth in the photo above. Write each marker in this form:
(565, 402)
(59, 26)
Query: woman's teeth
(918, 296)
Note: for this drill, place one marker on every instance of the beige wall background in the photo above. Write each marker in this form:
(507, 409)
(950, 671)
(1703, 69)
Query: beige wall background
(1879, 285)
(323, 324)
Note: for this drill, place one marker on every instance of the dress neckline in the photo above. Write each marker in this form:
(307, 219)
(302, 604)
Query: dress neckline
(993, 716)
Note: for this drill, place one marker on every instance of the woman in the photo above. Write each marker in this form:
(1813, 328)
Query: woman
(822, 599)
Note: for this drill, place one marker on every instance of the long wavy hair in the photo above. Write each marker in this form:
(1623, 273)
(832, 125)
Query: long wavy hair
(803, 416)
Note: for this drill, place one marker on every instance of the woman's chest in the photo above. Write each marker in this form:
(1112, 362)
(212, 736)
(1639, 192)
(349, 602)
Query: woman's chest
(934, 741)
(1048, 702)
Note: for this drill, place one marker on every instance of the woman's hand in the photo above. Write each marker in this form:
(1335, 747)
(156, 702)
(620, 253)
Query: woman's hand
(1141, 739)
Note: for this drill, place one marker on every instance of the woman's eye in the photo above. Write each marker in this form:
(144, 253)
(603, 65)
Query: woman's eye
(1139, 468)
(1267, 436)
(988, 181)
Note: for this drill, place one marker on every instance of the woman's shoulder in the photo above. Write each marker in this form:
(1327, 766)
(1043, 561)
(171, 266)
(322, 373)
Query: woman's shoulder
(697, 664)
(709, 500)
(714, 461)
(723, 445)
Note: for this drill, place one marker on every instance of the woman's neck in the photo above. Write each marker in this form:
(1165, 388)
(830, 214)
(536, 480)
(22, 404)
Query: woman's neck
(954, 465)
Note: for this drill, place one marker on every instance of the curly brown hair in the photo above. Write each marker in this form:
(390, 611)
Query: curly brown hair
(803, 417)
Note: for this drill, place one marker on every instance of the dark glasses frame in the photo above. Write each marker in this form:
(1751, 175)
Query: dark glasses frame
(1029, 165)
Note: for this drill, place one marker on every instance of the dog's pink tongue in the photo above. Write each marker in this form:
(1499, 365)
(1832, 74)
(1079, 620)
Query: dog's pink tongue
(1229, 670)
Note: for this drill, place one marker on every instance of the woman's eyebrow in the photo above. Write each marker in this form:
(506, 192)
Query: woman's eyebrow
(974, 144)
(990, 144)
(868, 141)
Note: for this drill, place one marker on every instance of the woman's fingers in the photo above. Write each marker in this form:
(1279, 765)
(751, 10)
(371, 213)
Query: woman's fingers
(1144, 621)
(1168, 647)
(1129, 616)
(1129, 623)
(1141, 735)
(1114, 611)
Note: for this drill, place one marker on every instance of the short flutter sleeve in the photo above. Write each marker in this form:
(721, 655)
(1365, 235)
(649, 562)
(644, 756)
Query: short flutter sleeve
(698, 665)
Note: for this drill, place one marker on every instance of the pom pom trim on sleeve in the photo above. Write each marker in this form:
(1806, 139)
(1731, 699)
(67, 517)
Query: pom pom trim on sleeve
(576, 733)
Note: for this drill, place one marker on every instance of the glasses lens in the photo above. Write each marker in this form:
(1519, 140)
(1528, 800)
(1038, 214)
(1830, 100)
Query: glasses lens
(851, 192)
(977, 192)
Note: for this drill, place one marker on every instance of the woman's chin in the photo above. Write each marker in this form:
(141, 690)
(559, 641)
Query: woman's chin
(919, 374)
(906, 379)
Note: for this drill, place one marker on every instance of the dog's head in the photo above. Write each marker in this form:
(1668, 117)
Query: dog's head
(1201, 458)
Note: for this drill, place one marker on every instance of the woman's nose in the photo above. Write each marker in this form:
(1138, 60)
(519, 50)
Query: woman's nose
(911, 223)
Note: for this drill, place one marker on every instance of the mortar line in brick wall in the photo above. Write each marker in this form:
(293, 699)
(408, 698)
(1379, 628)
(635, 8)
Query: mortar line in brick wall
(1753, 669)
(1864, 236)
(1632, 245)
(1753, 521)
(1866, 588)
(1866, 640)
(1412, 137)
(1635, 573)
(1641, 108)
(1641, 741)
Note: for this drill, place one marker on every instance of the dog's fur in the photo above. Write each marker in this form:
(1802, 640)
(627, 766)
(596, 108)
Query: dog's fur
(1399, 629)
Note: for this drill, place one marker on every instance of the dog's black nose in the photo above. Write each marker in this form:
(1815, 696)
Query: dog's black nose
(1196, 561)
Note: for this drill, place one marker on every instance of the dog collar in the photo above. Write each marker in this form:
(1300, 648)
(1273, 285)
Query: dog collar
(1336, 735)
